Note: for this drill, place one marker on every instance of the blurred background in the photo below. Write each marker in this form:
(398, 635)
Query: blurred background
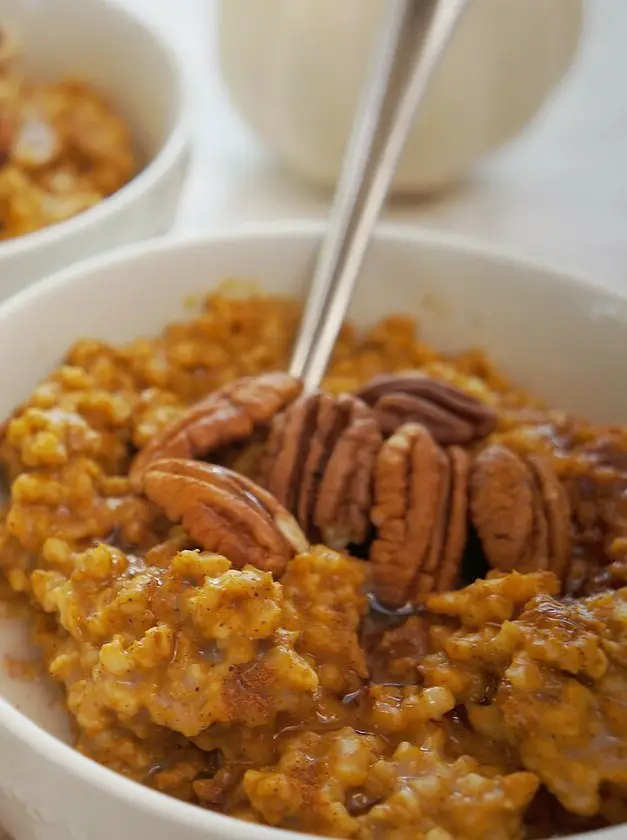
(557, 192)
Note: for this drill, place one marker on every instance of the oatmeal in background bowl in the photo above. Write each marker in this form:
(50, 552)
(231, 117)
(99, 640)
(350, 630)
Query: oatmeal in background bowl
(64, 148)
(93, 134)
(391, 608)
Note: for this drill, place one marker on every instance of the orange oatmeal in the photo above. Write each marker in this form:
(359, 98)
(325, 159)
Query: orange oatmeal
(389, 609)
(63, 148)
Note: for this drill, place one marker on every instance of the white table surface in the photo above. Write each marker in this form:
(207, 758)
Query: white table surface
(558, 193)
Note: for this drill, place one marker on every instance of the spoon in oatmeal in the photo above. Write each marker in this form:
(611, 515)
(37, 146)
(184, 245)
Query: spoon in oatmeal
(414, 36)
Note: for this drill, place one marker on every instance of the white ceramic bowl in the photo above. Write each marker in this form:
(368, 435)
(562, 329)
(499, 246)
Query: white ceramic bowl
(102, 43)
(562, 337)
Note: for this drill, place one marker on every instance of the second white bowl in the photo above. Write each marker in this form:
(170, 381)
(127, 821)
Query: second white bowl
(101, 43)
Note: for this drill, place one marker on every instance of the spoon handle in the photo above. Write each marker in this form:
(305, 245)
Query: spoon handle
(414, 36)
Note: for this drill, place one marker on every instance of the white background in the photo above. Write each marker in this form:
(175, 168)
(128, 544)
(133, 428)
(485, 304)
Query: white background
(558, 193)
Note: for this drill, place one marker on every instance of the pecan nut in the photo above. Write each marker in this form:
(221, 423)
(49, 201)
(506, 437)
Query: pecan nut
(229, 415)
(225, 512)
(451, 415)
(520, 511)
(556, 506)
(319, 464)
(420, 513)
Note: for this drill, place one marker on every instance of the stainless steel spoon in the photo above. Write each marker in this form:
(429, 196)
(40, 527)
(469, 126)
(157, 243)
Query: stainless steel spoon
(414, 35)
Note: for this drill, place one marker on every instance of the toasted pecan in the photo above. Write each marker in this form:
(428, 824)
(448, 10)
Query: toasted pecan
(501, 505)
(318, 446)
(230, 414)
(420, 516)
(344, 496)
(451, 415)
(319, 465)
(521, 512)
(284, 464)
(536, 557)
(557, 510)
(444, 573)
(225, 512)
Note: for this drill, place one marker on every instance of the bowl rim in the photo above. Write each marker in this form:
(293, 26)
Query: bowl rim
(233, 230)
(173, 147)
(62, 755)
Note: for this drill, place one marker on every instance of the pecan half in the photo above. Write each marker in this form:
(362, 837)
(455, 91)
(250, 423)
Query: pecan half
(521, 512)
(451, 415)
(420, 514)
(556, 506)
(225, 512)
(319, 465)
(229, 415)
(457, 523)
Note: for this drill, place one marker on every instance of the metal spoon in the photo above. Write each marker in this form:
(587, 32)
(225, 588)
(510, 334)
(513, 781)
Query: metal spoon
(414, 36)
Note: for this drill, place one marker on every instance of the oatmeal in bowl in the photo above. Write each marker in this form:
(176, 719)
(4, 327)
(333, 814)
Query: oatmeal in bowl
(394, 607)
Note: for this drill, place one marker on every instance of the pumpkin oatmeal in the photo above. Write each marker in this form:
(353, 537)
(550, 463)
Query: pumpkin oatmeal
(63, 148)
(395, 608)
